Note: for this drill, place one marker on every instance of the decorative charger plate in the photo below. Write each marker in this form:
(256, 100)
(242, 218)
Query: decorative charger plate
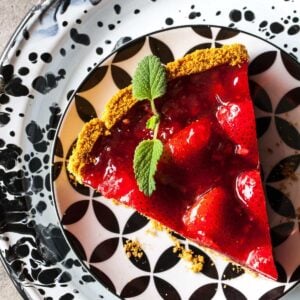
(63, 241)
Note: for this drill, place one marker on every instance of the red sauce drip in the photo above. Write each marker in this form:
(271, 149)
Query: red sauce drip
(208, 183)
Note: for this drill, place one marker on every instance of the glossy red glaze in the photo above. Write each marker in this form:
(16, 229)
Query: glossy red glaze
(208, 184)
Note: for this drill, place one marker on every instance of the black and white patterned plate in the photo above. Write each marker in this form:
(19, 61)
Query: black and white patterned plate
(54, 49)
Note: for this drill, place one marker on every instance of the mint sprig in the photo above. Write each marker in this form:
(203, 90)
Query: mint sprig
(149, 83)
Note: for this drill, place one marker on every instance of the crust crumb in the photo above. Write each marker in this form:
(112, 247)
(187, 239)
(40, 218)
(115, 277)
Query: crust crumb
(155, 227)
(133, 248)
(196, 261)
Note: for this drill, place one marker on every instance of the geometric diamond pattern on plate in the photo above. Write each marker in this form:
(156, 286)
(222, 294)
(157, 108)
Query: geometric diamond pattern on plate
(262, 62)
(290, 101)
(261, 100)
(291, 66)
(284, 169)
(85, 109)
(280, 202)
(130, 50)
(120, 76)
(206, 32)
(161, 49)
(103, 278)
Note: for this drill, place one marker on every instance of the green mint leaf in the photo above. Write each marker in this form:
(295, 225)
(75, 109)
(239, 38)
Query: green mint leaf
(152, 122)
(149, 80)
(146, 157)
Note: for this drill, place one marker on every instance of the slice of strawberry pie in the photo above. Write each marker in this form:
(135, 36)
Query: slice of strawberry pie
(207, 181)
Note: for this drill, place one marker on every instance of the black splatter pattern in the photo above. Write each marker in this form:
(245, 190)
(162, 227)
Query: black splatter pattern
(289, 24)
(237, 15)
(80, 38)
(10, 85)
(46, 57)
(117, 9)
(194, 15)
(23, 71)
(169, 21)
(44, 84)
(33, 57)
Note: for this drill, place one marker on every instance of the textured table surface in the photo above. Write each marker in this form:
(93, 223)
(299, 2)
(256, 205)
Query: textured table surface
(16, 10)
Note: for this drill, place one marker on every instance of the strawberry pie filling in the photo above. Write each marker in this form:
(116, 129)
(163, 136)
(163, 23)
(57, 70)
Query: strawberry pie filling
(208, 185)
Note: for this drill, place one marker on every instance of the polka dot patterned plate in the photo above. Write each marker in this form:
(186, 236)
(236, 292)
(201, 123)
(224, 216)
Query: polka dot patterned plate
(59, 240)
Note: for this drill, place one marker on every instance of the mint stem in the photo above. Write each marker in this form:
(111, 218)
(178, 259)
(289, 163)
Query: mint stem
(155, 132)
(153, 107)
(155, 113)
